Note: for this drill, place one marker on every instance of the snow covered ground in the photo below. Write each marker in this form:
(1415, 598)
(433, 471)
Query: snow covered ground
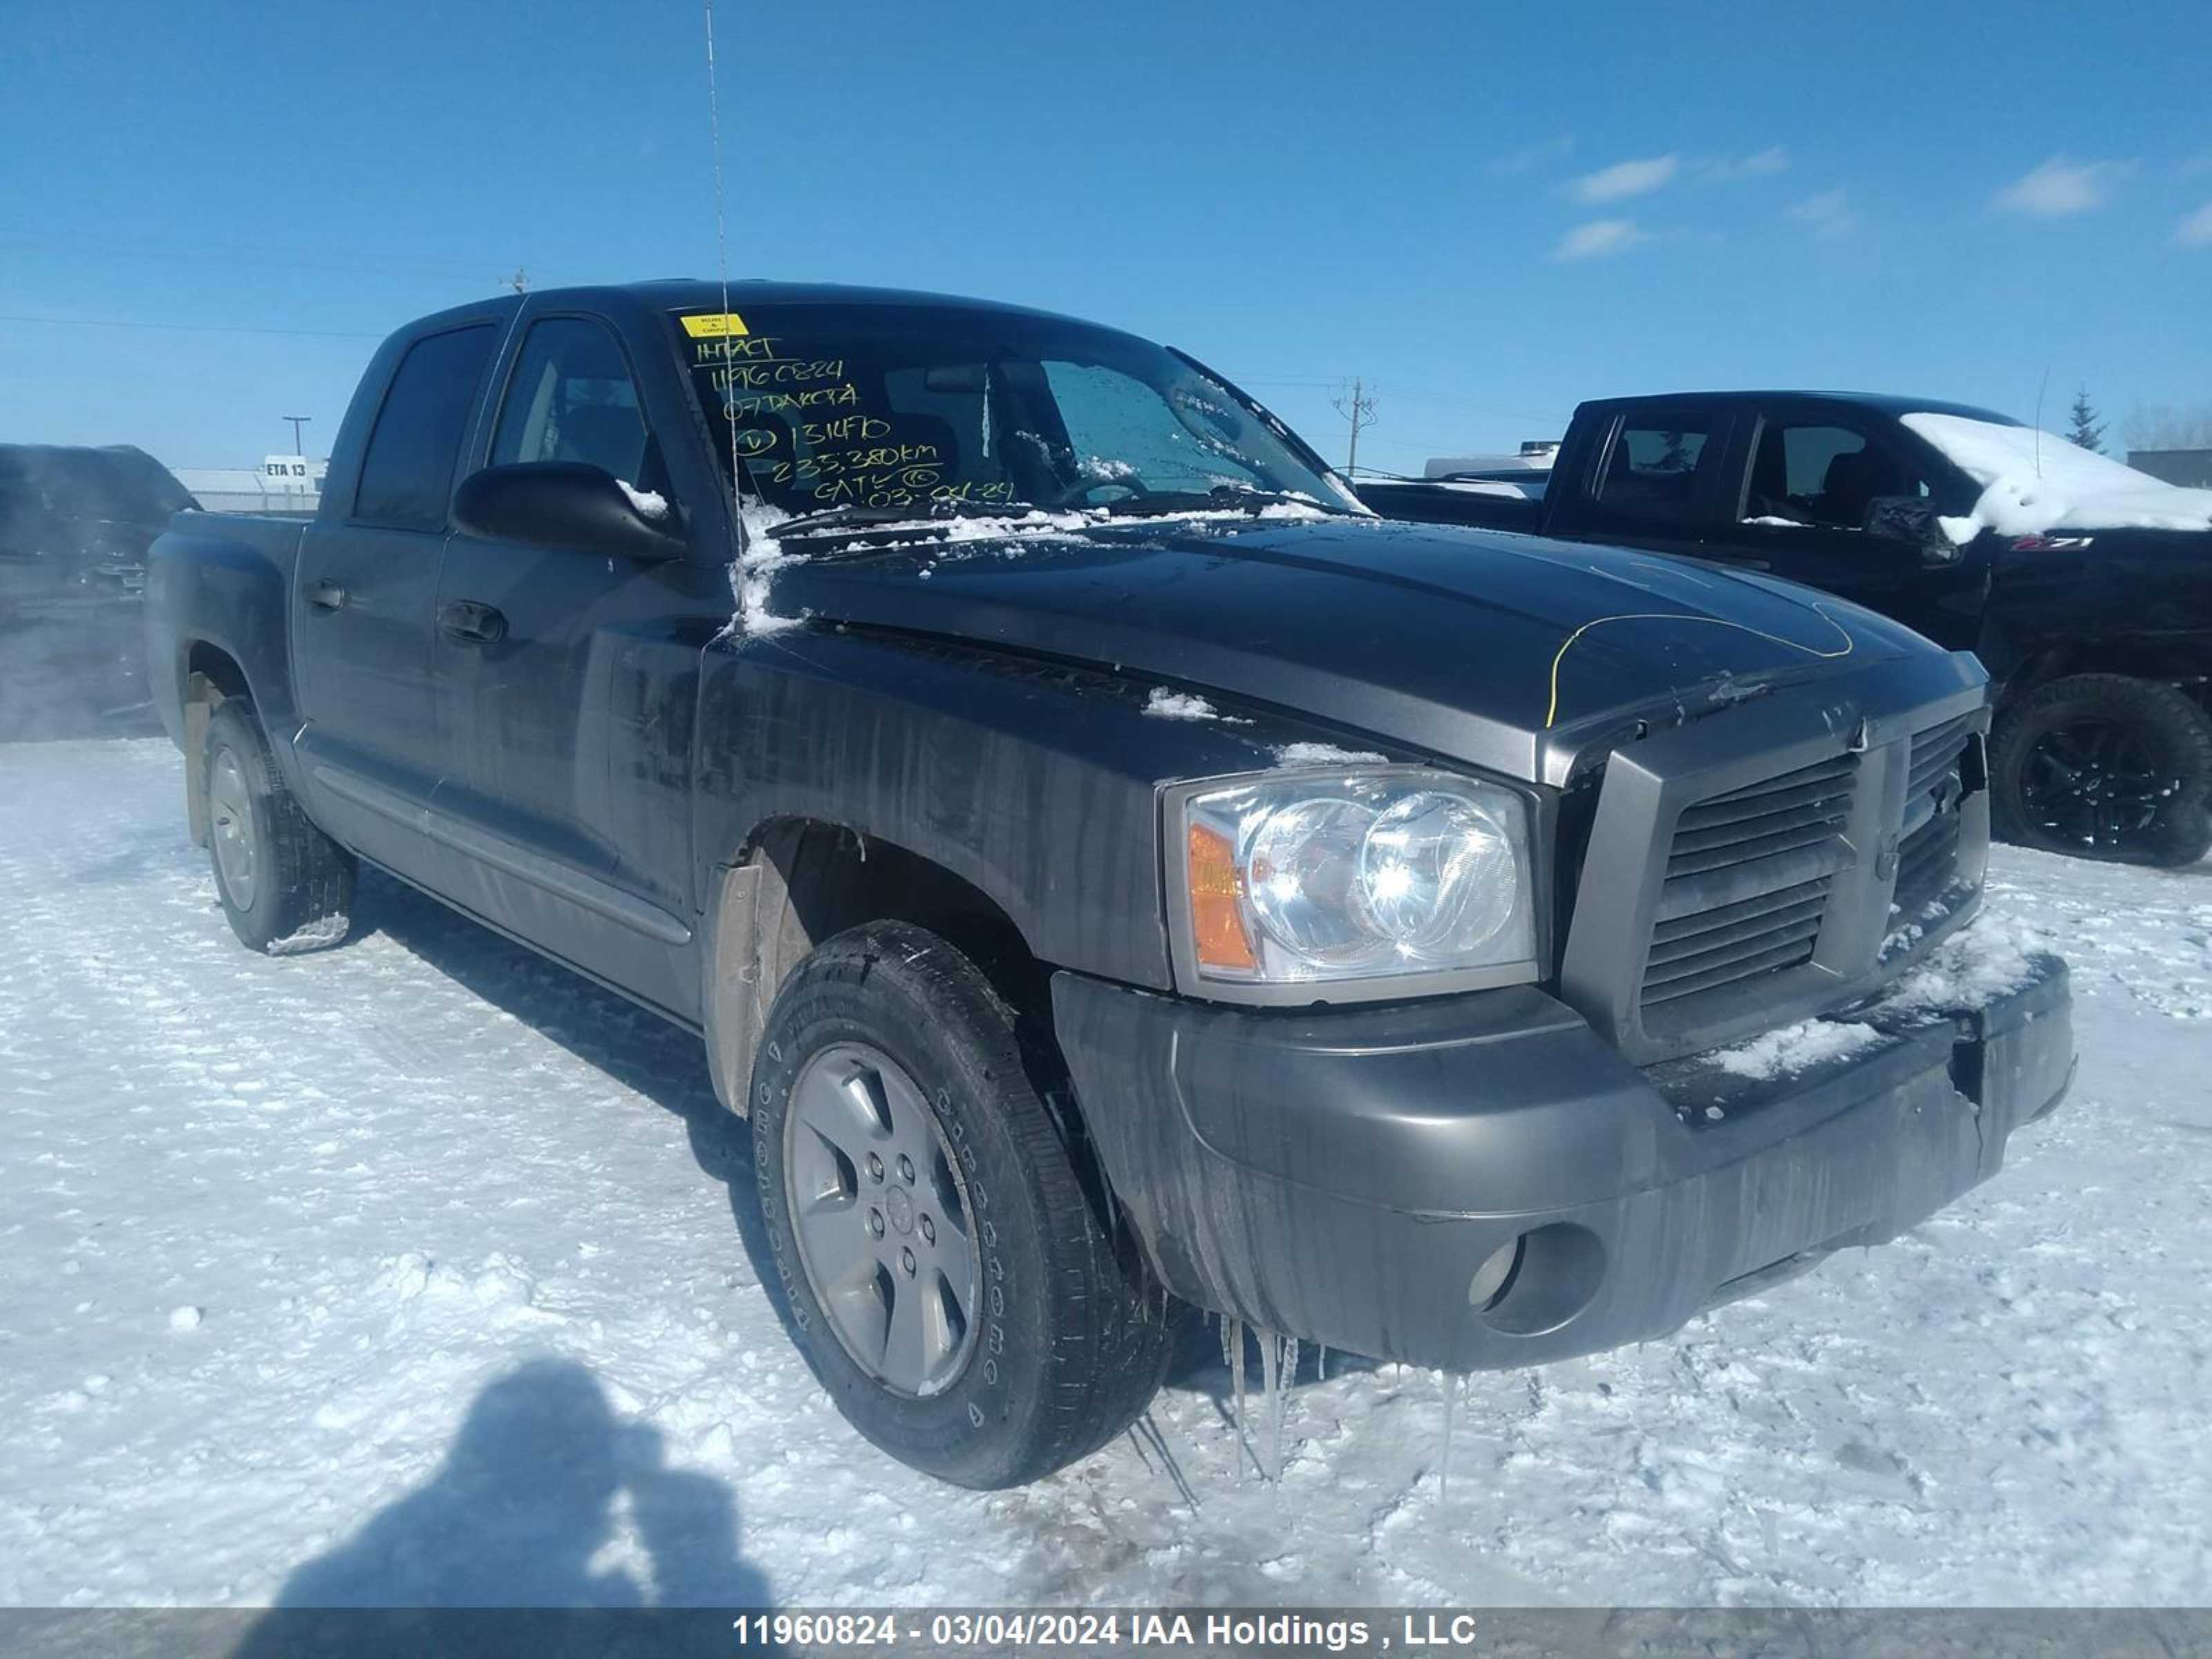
(416, 1271)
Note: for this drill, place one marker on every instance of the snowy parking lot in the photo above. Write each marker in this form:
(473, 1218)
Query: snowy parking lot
(419, 1271)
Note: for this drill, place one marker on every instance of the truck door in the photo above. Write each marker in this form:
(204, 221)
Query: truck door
(1816, 480)
(366, 582)
(568, 682)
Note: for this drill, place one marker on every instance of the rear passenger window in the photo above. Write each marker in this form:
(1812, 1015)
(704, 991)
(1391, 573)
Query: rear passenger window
(1659, 471)
(571, 399)
(407, 473)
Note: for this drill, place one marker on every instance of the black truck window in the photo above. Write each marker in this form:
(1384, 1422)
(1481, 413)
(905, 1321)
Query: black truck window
(407, 474)
(1661, 470)
(571, 399)
(1826, 475)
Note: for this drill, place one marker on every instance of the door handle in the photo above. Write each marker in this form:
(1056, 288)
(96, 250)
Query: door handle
(472, 624)
(327, 596)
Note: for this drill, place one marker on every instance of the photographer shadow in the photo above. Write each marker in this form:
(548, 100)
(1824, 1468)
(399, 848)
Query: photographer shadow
(514, 1519)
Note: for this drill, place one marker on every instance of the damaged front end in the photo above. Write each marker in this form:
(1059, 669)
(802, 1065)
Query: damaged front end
(1482, 1183)
(1527, 1172)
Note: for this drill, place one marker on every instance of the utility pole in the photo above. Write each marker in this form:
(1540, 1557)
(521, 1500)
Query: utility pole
(1358, 408)
(297, 420)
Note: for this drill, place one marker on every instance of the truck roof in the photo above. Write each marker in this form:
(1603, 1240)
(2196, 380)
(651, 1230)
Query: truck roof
(1880, 403)
(693, 293)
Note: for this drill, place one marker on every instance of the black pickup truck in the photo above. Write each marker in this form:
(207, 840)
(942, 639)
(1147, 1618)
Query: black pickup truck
(1112, 870)
(2085, 586)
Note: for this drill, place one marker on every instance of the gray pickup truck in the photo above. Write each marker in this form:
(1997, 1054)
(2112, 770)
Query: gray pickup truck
(1112, 869)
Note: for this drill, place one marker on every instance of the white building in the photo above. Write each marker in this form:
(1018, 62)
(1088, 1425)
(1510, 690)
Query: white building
(282, 483)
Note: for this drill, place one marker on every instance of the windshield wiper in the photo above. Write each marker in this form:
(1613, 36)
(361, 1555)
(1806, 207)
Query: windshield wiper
(853, 516)
(1248, 498)
(1158, 503)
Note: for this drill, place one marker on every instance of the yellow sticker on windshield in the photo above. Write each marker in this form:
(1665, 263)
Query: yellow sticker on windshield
(714, 325)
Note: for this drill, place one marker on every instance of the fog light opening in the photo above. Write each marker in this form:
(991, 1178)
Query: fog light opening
(1538, 1281)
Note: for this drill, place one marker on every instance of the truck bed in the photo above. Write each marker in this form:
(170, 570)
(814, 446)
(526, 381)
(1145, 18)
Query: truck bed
(1489, 506)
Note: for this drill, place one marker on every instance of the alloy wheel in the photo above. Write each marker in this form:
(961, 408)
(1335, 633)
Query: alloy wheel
(230, 812)
(2094, 784)
(880, 1212)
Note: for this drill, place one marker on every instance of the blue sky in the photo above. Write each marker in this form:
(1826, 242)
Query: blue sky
(1487, 212)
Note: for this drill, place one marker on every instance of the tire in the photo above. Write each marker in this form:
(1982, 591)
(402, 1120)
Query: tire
(286, 886)
(2151, 804)
(1064, 1349)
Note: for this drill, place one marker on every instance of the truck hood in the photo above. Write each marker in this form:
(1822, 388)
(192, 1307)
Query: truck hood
(1493, 648)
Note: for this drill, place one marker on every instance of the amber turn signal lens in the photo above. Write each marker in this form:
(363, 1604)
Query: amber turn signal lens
(1217, 918)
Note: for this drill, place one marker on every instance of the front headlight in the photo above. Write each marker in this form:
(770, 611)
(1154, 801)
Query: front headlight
(1369, 874)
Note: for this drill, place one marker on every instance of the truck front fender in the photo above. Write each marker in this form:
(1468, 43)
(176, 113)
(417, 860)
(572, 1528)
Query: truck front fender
(1033, 786)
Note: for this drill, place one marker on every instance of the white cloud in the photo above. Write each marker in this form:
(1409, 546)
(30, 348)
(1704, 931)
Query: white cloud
(1625, 178)
(1760, 164)
(2061, 187)
(1829, 213)
(1531, 157)
(1598, 239)
(2196, 229)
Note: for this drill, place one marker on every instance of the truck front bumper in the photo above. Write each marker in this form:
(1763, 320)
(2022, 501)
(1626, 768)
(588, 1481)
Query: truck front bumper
(1480, 1182)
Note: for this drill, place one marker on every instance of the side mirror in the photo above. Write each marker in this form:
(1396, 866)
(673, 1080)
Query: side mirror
(1912, 519)
(567, 504)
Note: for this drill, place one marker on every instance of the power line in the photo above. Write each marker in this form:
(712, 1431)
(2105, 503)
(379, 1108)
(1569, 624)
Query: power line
(190, 328)
(1421, 394)
(269, 258)
(1433, 446)
(1397, 388)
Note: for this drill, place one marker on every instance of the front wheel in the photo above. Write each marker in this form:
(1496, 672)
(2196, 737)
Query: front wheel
(2105, 766)
(948, 1279)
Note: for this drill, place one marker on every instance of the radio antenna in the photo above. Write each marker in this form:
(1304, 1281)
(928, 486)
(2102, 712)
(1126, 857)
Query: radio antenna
(2039, 391)
(722, 273)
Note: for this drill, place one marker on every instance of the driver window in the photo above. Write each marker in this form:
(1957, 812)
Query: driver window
(571, 399)
(1824, 476)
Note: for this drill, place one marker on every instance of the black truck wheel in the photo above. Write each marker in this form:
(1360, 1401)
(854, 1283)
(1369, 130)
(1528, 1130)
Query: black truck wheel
(286, 886)
(948, 1281)
(2105, 766)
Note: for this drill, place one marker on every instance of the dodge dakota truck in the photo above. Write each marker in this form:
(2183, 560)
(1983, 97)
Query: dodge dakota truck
(1113, 871)
(2084, 586)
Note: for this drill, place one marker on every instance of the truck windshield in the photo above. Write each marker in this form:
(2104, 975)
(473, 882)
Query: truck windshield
(915, 410)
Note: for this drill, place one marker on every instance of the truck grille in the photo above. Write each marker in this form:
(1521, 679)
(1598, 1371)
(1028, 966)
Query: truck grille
(1927, 855)
(1747, 880)
(1737, 875)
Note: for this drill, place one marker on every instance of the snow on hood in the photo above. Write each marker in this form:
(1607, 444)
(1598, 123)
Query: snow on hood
(2034, 481)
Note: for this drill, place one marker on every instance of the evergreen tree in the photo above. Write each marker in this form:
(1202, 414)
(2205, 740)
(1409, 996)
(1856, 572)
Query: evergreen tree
(2087, 430)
